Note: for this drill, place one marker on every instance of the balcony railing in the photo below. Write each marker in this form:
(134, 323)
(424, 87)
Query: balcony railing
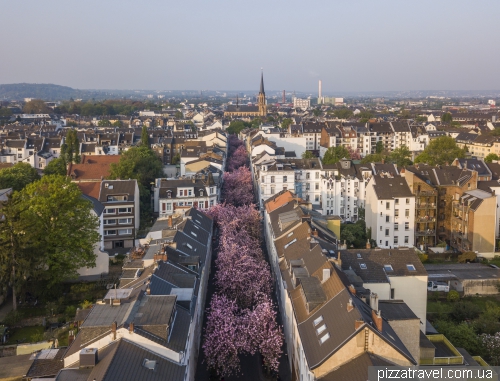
(426, 219)
(426, 232)
(426, 205)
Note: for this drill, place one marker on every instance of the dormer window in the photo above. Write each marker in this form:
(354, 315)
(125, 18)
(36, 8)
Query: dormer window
(363, 266)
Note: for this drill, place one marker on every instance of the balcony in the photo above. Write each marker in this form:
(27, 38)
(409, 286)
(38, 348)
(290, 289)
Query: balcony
(445, 353)
(426, 193)
(425, 219)
(427, 232)
(426, 205)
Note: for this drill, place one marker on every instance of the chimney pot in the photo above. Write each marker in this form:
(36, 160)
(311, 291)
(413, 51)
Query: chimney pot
(368, 245)
(170, 221)
(350, 306)
(113, 329)
(377, 319)
(148, 291)
(131, 327)
(352, 289)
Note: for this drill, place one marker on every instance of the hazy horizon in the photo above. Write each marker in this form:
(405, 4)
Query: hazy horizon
(353, 47)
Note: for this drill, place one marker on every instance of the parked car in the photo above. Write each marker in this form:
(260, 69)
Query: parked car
(438, 286)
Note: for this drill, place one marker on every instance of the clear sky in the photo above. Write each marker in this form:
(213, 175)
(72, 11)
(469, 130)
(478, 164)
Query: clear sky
(351, 45)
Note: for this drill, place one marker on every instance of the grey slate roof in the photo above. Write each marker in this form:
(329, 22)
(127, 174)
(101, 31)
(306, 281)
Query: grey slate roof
(388, 188)
(396, 310)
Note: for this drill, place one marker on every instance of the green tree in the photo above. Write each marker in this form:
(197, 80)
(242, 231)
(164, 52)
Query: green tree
(144, 136)
(144, 165)
(343, 113)
(491, 157)
(354, 234)
(286, 123)
(256, 122)
(104, 123)
(178, 115)
(117, 123)
(401, 156)
(176, 158)
(236, 126)
(373, 158)
(421, 119)
(36, 106)
(335, 154)
(446, 117)
(18, 176)
(56, 167)
(317, 112)
(461, 335)
(307, 155)
(5, 112)
(365, 115)
(70, 149)
(379, 148)
(48, 217)
(440, 151)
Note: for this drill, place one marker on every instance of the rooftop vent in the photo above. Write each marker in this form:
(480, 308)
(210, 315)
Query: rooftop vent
(149, 364)
(88, 357)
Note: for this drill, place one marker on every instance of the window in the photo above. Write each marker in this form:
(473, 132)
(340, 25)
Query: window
(124, 210)
(410, 267)
(396, 201)
(169, 206)
(396, 227)
(320, 329)
(380, 227)
(308, 175)
(273, 190)
(110, 211)
(395, 240)
(386, 232)
(189, 192)
(393, 293)
(363, 266)
(407, 212)
(126, 221)
(317, 175)
(263, 179)
(386, 218)
(406, 239)
(316, 186)
(407, 200)
(396, 213)
(318, 320)
(324, 338)
(124, 231)
(407, 226)
(201, 193)
(272, 179)
(117, 198)
(19, 156)
(109, 232)
(388, 268)
(316, 198)
(387, 205)
(285, 179)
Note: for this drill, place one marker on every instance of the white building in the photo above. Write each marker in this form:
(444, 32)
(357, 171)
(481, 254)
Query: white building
(390, 211)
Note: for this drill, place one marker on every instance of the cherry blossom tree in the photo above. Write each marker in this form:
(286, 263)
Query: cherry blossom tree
(223, 336)
(238, 159)
(492, 346)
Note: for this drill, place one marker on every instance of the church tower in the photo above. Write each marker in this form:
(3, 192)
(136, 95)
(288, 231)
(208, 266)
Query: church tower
(262, 97)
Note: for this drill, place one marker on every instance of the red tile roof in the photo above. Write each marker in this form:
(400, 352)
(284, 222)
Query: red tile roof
(93, 167)
(90, 188)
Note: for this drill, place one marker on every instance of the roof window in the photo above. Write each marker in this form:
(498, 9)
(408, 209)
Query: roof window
(320, 329)
(358, 256)
(324, 338)
(410, 267)
(149, 364)
(388, 268)
(318, 320)
(363, 266)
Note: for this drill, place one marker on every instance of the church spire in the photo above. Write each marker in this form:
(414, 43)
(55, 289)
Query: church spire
(261, 82)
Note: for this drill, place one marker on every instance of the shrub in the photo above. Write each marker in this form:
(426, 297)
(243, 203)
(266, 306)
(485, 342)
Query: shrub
(13, 317)
(86, 304)
(464, 310)
(453, 296)
(70, 312)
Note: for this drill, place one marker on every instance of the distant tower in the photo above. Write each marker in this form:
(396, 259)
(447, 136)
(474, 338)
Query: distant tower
(284, 97)
(320, 96)
(262, 97)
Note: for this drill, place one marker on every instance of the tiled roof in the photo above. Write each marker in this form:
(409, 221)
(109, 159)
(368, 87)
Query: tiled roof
(96, 167)
(90, 188)
(278, 200)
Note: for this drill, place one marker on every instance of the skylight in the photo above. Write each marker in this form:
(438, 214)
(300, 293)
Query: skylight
(388, 268)
(289, 243)
(290, 234)
(318, 320)
(324, 338)
(363, 266)
(194, 234)
(320, 329)
(358, 255)
(410, 267)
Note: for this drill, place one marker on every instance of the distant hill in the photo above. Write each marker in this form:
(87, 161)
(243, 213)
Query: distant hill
(50, 92)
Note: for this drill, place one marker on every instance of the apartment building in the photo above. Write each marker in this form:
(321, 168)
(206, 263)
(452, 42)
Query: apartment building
(390, 211)
(331, 333)
(172, 195)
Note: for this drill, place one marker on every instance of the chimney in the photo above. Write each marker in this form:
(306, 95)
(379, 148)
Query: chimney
(383, 161)
(314, 233)
(352, 289)
(350, 305)
(358, 323)
(170, 221)
(326, 275)
(374, 301)
(148, 291)
(377, 319)
(131, 327)
(368, 246)
(71, 337)
(113, 330)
